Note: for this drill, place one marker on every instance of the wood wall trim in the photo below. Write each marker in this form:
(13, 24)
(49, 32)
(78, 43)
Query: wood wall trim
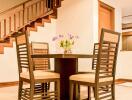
(127, 33)
(7, 84)
(105, 5)
(15, 83)
(121, 80)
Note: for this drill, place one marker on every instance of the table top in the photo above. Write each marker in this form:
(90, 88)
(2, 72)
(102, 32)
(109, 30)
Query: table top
(62, 56)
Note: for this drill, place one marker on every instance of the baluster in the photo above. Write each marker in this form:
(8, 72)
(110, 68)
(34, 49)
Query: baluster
(4, 28)
(9, 24)
(36, 13)
(59, 3)
(14, 22)
(37, 9)
(27, 14)
(0, 30)
(23, 15)
(47, 5)
(42, 8)
(31, 14)
(54, 4)
(19, 19)
(50, 2)
(25, 18)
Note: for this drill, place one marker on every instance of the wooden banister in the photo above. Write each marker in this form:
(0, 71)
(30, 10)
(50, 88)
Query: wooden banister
(14, 19)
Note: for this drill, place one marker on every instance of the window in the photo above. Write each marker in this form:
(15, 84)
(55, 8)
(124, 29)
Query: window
(127, 41)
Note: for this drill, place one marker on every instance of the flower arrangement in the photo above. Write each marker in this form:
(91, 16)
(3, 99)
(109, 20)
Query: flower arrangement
(65, 41)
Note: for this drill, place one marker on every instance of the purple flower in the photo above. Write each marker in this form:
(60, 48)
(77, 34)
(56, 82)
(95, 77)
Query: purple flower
(54, 38)
(61, 36)
(76, 36)
(70, 36)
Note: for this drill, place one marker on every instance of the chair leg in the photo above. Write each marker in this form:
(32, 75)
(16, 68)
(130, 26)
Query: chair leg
(58, 89)
(77, 92)
(93, 91)
(96, 93)
(71, 90)
(20, 89)
(32, 86)
(113, 91)
(89, 93)
(43, 89)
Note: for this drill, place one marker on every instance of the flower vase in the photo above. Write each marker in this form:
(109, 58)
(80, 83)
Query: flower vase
(67, 51)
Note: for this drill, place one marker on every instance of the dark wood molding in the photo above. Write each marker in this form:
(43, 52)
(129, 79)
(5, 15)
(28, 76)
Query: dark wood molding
(7, 84)
(127, 33)
(121, 80)
(15, 83)
(126, 26)
(127, 16)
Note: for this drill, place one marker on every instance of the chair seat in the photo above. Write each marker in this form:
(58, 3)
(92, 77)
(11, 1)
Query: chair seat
(90, 77)
(40, 74)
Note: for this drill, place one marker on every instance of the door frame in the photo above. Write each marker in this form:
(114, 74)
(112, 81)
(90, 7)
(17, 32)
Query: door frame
(112, 9)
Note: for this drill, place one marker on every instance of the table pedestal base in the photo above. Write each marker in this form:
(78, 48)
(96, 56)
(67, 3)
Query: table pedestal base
(66, 67)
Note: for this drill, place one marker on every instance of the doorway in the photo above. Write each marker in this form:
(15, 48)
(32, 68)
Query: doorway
(106, 17)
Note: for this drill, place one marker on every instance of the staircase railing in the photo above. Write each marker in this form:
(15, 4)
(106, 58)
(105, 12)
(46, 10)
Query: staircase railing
(23, 14)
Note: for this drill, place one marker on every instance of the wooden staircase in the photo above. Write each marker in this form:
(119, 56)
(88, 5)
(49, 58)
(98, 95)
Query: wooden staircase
(26, 16)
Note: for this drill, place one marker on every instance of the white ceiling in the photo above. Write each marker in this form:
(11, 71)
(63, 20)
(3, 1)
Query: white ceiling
(126, 6)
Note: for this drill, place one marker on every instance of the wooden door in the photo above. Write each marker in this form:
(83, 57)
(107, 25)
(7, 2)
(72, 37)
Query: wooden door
(106, 17)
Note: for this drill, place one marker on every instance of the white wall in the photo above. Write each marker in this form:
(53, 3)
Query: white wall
(75, 16)
(8, 60)
(125, 65)
(81, 17)
(8, 65)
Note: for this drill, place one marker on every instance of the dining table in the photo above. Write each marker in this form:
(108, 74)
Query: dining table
(66, 65)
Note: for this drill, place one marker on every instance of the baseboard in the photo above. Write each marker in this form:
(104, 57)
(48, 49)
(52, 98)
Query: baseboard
(15, 83)
(7, 84)
(122, 80)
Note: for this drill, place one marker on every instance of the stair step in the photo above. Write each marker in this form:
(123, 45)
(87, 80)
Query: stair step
(52, 16)
(31, 29)
(8, 43)
(1, 49)
(38, 24)
(46, 20)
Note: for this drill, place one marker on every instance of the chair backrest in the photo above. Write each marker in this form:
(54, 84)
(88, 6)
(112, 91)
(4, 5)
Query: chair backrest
(107, 55)
(40, 48)
(23, 54)
(95, 52)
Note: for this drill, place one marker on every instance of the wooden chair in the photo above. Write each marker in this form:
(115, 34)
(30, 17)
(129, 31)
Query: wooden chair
(40, 48)
(94, 59)
(32, 77)
(105, 69)
(41, 63)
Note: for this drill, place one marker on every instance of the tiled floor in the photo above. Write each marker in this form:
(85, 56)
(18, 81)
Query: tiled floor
(122, 93)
